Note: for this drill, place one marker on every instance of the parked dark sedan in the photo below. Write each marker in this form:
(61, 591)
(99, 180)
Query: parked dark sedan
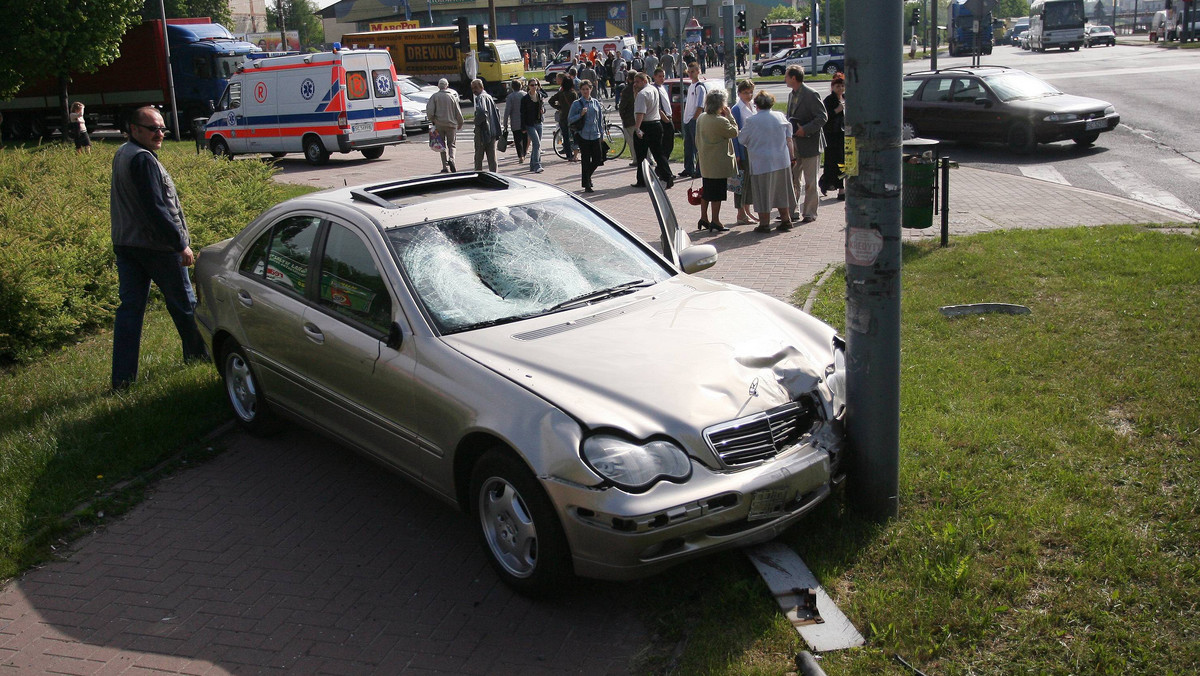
(995, 103)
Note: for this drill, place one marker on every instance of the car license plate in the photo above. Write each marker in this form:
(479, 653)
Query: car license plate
(767, 503)
(363, 126)
(1096, 124)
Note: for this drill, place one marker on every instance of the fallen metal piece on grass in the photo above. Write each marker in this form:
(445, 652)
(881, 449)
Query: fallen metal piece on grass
(983, 308)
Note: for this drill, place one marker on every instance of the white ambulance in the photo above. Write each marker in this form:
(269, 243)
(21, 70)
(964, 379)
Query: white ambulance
(311, 103)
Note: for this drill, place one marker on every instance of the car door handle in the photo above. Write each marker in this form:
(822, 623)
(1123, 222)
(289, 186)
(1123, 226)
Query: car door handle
(313, 333)
(244, 298)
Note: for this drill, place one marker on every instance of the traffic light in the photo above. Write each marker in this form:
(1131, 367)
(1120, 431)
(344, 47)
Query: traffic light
(741, 21)
(641, 36)
(569, 23)
(585, 31)
(763, 25)
(479, 36)
(916, 15)
(464, 35)
(804, 26)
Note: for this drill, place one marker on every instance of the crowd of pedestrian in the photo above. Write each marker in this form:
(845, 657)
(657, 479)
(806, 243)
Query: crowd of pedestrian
(768, 160)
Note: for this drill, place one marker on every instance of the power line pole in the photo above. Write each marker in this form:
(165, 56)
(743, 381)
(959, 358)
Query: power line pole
(874, 72)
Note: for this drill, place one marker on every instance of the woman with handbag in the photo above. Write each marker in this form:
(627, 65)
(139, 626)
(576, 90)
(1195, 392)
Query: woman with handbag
(583, 121)
(715, 130)
(533, 109)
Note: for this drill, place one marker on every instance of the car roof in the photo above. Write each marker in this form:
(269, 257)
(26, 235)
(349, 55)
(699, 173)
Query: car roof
(981, 71)
(393, 204)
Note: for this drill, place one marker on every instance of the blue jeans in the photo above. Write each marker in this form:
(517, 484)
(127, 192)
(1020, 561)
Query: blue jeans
(691, 164)
(136, 268)
(535, 142)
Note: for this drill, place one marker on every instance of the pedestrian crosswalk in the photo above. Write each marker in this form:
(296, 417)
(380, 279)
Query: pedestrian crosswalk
(1129, 181)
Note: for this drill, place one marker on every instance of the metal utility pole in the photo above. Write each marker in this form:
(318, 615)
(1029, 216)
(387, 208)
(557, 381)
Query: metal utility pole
(162, 8)
(812, 35)
(933, 41)
(874, 71)
(730, 51)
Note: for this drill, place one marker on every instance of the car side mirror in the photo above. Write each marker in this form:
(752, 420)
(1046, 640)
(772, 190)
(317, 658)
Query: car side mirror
(395, 337)
(983, 101)
(698, 257)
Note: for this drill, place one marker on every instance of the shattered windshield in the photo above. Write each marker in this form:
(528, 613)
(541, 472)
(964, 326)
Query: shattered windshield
(516, 262)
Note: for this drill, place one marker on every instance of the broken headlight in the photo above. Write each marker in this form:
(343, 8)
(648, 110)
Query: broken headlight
(633, 465)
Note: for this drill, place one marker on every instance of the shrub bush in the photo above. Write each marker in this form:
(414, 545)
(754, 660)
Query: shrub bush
(58, 274)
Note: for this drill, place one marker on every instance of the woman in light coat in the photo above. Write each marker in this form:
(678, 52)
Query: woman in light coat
(715, 131)
(767, 137)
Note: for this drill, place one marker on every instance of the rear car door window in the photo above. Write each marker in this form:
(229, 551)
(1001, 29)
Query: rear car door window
(937, 90)
(385, 86)
(281, 255)
(357, 87)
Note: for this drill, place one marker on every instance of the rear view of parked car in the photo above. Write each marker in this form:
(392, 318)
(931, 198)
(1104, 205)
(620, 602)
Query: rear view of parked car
(595, 409)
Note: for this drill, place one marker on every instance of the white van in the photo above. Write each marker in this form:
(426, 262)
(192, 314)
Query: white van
(562, 60)
(312, 103)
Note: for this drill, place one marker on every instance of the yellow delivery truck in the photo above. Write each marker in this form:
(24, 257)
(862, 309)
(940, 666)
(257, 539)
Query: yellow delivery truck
(433, 53)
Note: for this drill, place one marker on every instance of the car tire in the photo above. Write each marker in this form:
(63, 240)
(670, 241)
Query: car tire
(777, 70)
(908, 131)
(1086, 139)
(243, 392)
(219, 148)
(1021, 139)
(518, 525)
(831, 68)
(373, 153)
(314, 151)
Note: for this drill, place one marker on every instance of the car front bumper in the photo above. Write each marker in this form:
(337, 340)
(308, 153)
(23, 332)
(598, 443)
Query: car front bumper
(619, 536)
(1048, 132)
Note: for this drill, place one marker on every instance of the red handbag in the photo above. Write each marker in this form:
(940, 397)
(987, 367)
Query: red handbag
(695, 195)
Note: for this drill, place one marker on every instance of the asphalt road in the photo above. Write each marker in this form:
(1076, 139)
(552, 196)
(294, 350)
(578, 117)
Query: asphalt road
(1152, 157)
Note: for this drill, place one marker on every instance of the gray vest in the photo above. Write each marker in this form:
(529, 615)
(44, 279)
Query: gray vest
(131, 224)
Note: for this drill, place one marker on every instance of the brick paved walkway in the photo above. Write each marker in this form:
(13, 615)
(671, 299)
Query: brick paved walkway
(293, 555)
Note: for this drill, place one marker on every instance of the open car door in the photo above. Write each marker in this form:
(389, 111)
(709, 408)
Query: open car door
(677, 247)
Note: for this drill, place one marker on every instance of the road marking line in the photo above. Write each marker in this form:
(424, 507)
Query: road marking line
(1117, 72)
(1043, 173)
(1129, 182)
(1184, 167)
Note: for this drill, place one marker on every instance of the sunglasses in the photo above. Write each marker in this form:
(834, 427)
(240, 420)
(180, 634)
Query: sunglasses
(151, 128)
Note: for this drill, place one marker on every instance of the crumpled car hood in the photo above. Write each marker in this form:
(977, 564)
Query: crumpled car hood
(673, 359)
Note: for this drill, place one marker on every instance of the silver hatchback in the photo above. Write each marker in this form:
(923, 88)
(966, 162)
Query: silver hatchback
(595, 408)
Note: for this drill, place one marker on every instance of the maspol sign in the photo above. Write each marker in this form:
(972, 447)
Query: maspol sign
(393, 25)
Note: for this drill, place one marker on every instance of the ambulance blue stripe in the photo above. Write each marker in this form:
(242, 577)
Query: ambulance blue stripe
(306, 118)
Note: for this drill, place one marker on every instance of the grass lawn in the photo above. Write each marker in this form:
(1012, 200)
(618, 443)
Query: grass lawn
(1050, 496)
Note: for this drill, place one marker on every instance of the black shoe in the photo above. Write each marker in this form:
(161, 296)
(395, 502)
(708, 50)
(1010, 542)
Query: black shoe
(763, 228)
(670, 183)
(808, 219)
(684, 174)
(637, 185)
(588, 189)
(702, 224)
(784, 227)
(717, 227)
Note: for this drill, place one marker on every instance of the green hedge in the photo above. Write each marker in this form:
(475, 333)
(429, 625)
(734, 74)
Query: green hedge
(57, 272)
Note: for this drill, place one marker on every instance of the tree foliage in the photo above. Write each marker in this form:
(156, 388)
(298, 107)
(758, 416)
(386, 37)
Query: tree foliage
(217, 10)
(58, 37)
(835, 8)
(299, 15)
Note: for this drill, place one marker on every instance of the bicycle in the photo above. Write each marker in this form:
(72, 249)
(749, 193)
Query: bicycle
(613, 136)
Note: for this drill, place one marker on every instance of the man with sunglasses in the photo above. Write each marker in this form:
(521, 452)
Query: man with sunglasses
(150, 240)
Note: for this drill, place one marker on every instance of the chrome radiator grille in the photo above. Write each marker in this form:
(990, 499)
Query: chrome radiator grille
(761, 436)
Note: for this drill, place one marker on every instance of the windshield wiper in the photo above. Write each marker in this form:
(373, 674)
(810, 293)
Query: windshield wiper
(600, 294)
(490, 322)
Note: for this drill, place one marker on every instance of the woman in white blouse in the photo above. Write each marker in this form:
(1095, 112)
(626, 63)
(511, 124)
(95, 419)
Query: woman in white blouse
(767, 138)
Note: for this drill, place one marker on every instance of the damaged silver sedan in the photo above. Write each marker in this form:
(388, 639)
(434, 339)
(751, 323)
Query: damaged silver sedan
(595, 409)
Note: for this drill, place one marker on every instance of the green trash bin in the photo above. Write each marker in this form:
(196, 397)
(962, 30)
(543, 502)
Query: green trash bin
(918, 194)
